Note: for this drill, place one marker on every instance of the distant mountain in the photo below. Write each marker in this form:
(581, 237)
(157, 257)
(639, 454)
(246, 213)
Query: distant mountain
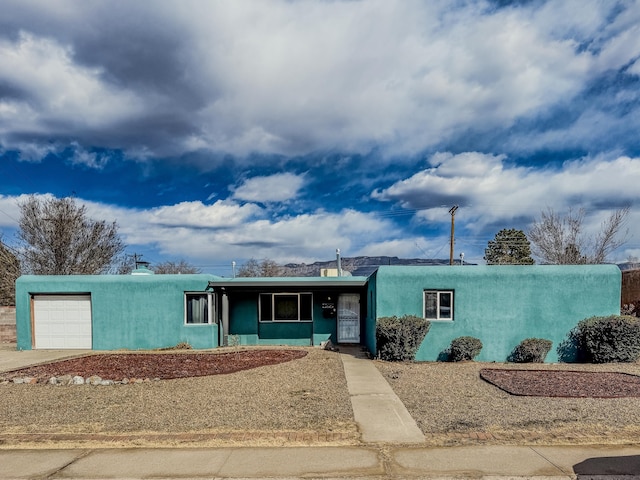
(357, 266)
(629, 266)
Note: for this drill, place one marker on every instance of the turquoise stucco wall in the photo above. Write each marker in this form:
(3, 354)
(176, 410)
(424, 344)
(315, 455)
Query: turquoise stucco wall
(128, 311)
(370, 319)
(243, 322)
(500, 305)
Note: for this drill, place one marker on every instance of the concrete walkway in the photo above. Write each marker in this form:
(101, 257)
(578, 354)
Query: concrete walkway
(379, 413)
(362, 463)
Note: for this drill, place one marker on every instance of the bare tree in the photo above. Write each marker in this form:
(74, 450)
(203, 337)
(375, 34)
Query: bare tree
(57, 238)
(180, 266)
(9, 272)
(265, 268)
(561, 240)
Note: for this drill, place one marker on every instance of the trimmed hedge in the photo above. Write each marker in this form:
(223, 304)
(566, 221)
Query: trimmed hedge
(531, 350)
(464, 348)
(398, 338)
(615, 338)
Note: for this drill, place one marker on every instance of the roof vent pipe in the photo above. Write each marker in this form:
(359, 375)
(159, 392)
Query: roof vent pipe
(338, 262)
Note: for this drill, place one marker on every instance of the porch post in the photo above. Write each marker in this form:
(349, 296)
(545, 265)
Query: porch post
(225, 319)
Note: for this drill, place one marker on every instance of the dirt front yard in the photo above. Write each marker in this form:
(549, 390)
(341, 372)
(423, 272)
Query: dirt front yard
(302, 394)
(446, 398)
(306, 394)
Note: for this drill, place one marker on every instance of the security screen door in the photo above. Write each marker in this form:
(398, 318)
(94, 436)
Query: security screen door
(349, 318)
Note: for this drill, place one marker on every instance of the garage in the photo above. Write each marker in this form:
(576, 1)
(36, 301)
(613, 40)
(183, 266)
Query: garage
(62, 321)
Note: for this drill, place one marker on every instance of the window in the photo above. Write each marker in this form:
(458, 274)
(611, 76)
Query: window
(198, 308)
(285, 307)
(438, 304)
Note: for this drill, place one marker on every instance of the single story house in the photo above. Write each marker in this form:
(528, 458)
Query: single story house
(500, 305)
(109, 312)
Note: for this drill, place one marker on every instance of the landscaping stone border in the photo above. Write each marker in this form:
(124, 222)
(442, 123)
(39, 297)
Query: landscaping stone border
(66, 380)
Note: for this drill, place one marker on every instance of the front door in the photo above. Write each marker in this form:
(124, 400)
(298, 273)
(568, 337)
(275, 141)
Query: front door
(349, 318)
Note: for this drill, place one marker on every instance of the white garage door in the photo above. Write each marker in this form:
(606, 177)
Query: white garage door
(62, 321)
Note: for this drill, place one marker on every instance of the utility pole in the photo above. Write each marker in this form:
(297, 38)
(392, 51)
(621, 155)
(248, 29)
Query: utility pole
(452, 211)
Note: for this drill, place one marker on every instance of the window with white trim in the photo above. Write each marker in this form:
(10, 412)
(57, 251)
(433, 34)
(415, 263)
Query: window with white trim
(286, 307)
(438, 304)
(198, 308)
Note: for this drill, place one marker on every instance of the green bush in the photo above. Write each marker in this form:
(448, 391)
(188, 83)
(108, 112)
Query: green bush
(615, 338)
(398, 338)
(531, 350)
(464, 348)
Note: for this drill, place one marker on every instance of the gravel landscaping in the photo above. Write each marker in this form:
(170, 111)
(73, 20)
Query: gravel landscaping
(307, 393)
(451, 397)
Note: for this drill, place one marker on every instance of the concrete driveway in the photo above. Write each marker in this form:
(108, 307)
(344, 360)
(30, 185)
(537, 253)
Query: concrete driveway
(12, 359)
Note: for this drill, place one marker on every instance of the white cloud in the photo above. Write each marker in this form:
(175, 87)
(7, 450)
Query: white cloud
(9, 211)
(228, 231)
(31, 151)
(222, 214)
(89, 159)
(56, 95)
(402, 248)
(273, 188)
(298, 77)
(490, 192)
(407, 76)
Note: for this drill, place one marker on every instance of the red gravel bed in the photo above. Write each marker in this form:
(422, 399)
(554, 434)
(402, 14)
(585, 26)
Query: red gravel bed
(157, 365)
(563, 383)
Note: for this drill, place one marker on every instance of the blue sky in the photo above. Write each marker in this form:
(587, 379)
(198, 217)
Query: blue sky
(221, 131)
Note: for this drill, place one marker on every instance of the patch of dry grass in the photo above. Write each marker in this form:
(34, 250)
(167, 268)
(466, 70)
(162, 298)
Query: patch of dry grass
(307, 394)
(451, 397)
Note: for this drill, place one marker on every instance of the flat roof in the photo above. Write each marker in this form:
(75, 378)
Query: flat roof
(289, 281)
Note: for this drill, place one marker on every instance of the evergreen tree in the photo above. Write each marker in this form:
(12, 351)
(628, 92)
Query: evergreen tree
(509, 247)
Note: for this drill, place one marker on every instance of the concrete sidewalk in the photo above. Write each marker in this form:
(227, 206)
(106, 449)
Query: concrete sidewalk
(325, 462)
(380, 414)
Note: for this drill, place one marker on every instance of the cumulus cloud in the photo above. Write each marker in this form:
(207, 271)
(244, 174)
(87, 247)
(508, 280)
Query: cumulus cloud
(9, 211)
(229, 231)
(222, 214)
(489, 191)
(304, 76)
(355, 92)
(50, 94)
(297, 238)
(273, 188)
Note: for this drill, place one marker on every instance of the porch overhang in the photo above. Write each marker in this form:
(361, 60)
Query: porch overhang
(291, 282)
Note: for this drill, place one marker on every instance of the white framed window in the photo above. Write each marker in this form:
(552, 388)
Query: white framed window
(285, 307)
(198, 308)
(438, 304)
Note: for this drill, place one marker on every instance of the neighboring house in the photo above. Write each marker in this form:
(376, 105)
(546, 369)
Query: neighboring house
(630, 286)
(501, 305)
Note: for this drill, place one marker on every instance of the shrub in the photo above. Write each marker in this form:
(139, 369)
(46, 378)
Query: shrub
(398, 338)
(632, 309)
(615, 338)
(464, 348)
(531, 350)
